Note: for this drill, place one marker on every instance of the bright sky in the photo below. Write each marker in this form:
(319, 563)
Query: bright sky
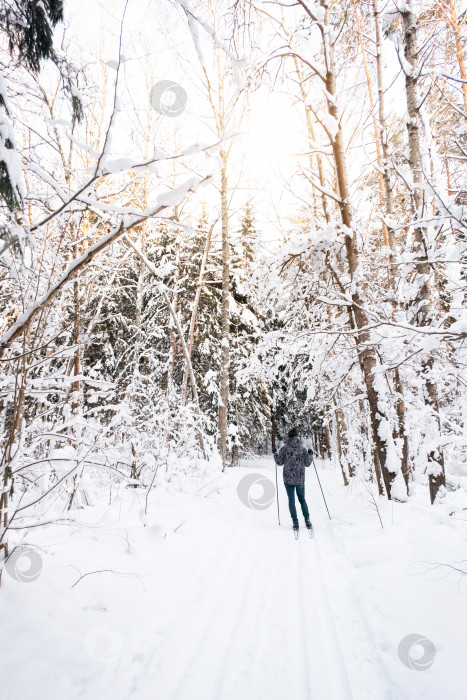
(158, 46)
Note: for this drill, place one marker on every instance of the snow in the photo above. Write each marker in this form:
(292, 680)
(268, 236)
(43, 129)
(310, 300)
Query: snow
(407, 67)
(207, 598)
(119, 165)
(175, 195)
(9, 156)
(334, 302)
(331, 125)
(37, 170)
(233, 306)
(194, 22)
(317, 11)
(248, 317)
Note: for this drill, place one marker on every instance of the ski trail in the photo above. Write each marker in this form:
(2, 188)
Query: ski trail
(365, 673)
(264, 661)
(302, 620)
(255, 619)
(324, 639)
(200, 580)
(237, 665)
(186, 635)
(219, 633)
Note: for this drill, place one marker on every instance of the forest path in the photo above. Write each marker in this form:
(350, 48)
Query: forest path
(210, 600)
(254, 620)
(207, 598)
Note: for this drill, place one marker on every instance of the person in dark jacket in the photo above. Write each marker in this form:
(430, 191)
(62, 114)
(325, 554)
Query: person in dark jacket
(294, 457)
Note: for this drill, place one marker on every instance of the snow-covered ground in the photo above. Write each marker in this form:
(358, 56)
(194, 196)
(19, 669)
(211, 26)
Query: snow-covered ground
(212, 600)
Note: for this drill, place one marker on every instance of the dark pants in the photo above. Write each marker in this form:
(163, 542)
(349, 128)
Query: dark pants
(301, 497)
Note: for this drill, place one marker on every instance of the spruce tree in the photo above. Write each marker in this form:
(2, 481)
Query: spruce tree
(244, 244)
(29, 25)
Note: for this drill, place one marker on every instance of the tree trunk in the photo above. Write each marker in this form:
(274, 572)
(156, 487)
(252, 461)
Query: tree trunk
(14, 438)
(340, 447)
(366, 353)
(225, 313)
(400, 432)
(137, 353)
(456, 24)
(76, 340)
(173, 337)
(379, 476)
(195, 307)
(428, 294)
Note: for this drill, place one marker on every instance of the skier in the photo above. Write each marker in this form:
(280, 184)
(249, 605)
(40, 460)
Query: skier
(295, 458)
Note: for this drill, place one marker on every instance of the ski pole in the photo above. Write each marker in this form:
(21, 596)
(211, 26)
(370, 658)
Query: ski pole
(319, 482)
(277, 498)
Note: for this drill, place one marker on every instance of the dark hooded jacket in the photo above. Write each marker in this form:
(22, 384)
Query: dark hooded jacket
(295, 458)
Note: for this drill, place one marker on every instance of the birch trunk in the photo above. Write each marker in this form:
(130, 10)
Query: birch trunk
(381, 137)
(337, 418)
(428, 292)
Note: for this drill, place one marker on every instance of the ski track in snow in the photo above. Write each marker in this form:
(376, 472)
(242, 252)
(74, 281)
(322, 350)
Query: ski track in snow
(256, 622)
(232, 607)
(219, 640)
(344, 627)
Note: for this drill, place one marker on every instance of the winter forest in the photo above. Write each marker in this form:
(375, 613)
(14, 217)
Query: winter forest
(219, 221)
